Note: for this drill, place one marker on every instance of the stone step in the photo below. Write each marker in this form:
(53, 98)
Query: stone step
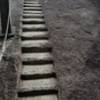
(31, 72)
(37, 58)
(36, 46)
(32, 12)
(32, 5)
(32, 8)
(34, 35)
(37, 69)
(38, 85)
(43, 97)
(28, 26)
(33, 16)
(34, 27)
(33, 20)
(32, 2)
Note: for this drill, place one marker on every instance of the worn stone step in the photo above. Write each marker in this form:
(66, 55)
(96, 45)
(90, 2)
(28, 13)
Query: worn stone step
(33, 16)
(36, 46)
(32, 20)
(34, 27)
(43, 97)
(34, 35)
(32, 8)
(37, 69)
(32, 12)
(31, 72)
(32, 5)
(28, 26)
(38, 84)
(36, 43)
(37, 58)
(32, 2)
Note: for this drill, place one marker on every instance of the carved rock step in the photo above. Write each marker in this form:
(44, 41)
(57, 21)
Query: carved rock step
(44, 97)
(32, 5)
(34, 35)
(32, 75)
(37, 69)
(38, 84)
(33, 16)
(36, 58)
(32, 8)
(32, 20)
(36, 46)
(32, 12)
(31, 2)
(36, 43)
(34, 27)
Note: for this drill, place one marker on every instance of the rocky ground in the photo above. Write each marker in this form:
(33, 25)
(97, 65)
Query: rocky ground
(74, 30)
(74, 26)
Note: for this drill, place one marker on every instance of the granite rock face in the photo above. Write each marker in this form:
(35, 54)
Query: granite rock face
(74, 27)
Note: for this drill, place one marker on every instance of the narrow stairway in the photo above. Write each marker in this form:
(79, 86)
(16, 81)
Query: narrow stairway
(38, 79)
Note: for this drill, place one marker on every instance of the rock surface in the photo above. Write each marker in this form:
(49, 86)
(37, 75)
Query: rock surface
(74, 29)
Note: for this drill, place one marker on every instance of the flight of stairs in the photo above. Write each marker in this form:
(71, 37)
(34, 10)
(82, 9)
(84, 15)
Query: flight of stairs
(38, 79)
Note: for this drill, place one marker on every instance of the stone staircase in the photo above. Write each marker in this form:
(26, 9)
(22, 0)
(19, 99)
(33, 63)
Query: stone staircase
(38, 78)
